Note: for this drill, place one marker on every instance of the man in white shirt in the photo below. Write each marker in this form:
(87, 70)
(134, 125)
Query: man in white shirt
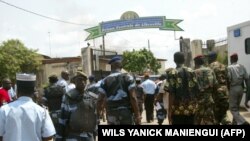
(63, 80)
(24, 120)
(149, 88)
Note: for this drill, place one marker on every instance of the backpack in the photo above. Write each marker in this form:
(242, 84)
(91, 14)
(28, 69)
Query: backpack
(54, 94)
(84, 118)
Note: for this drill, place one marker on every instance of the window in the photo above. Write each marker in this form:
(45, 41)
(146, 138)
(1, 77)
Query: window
(247, 45)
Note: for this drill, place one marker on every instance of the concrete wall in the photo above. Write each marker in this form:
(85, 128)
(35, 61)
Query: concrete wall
(196, 48)
(186, 49)
(86, 60)
(57, 68)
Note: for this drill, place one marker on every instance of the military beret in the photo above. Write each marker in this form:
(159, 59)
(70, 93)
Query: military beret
(198, 57)
(115, 59)
(212, 54)
(234, 55)
(81, 74)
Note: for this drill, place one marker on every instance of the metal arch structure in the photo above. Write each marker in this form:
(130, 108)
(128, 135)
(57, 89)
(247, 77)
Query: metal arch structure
(130, 20)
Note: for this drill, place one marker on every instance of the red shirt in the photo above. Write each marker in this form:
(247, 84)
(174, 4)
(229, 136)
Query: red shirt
(4, 96)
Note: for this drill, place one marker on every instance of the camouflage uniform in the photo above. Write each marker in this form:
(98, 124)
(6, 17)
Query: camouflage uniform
(207, 83)
(221, 95)
(53, 95)
(69, 105)
(183, 91)
(116, 88)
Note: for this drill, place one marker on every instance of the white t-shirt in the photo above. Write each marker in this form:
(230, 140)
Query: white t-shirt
(24, 120)
(63, 83)
(148, 86)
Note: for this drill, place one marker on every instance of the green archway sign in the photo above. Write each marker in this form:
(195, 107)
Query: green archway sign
(131, 20)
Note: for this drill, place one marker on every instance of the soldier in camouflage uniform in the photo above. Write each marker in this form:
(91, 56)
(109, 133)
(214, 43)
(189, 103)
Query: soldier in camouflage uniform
(73, 118)
(183, 90)
(53, 95)
(221, 95)
(118, 92)
(207, 84)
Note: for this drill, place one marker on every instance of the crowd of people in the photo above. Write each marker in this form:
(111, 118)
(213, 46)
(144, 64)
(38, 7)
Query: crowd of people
(72, 110)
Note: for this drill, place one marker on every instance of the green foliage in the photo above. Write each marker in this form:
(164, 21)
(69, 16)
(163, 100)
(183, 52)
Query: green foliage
(15, 57)
(139, 61)
(222, 59)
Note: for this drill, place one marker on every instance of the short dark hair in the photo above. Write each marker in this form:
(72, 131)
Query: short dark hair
(53, 79)
(179, 58)
(26, 90)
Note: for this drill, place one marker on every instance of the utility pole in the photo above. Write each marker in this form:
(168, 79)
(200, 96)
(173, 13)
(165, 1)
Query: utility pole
(49, 45)
(148, 45)
(103, 45)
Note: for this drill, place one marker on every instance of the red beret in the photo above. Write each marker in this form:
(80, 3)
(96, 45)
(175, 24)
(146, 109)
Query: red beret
(234, 55)
(198, 57)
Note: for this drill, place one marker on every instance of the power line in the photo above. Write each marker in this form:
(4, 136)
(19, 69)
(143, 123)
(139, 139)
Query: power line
(37, 14)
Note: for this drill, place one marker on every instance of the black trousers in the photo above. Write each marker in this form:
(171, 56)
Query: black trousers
(149, 107)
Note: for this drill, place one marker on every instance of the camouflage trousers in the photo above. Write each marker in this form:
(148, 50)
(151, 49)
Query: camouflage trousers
(221, 105)
(205, 112)
(120, 116)
(55, 115)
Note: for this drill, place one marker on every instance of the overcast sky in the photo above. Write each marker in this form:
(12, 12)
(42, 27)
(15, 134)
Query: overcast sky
(202, 19)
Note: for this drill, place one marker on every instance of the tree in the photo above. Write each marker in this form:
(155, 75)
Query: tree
(15, 58)
(139, 61)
